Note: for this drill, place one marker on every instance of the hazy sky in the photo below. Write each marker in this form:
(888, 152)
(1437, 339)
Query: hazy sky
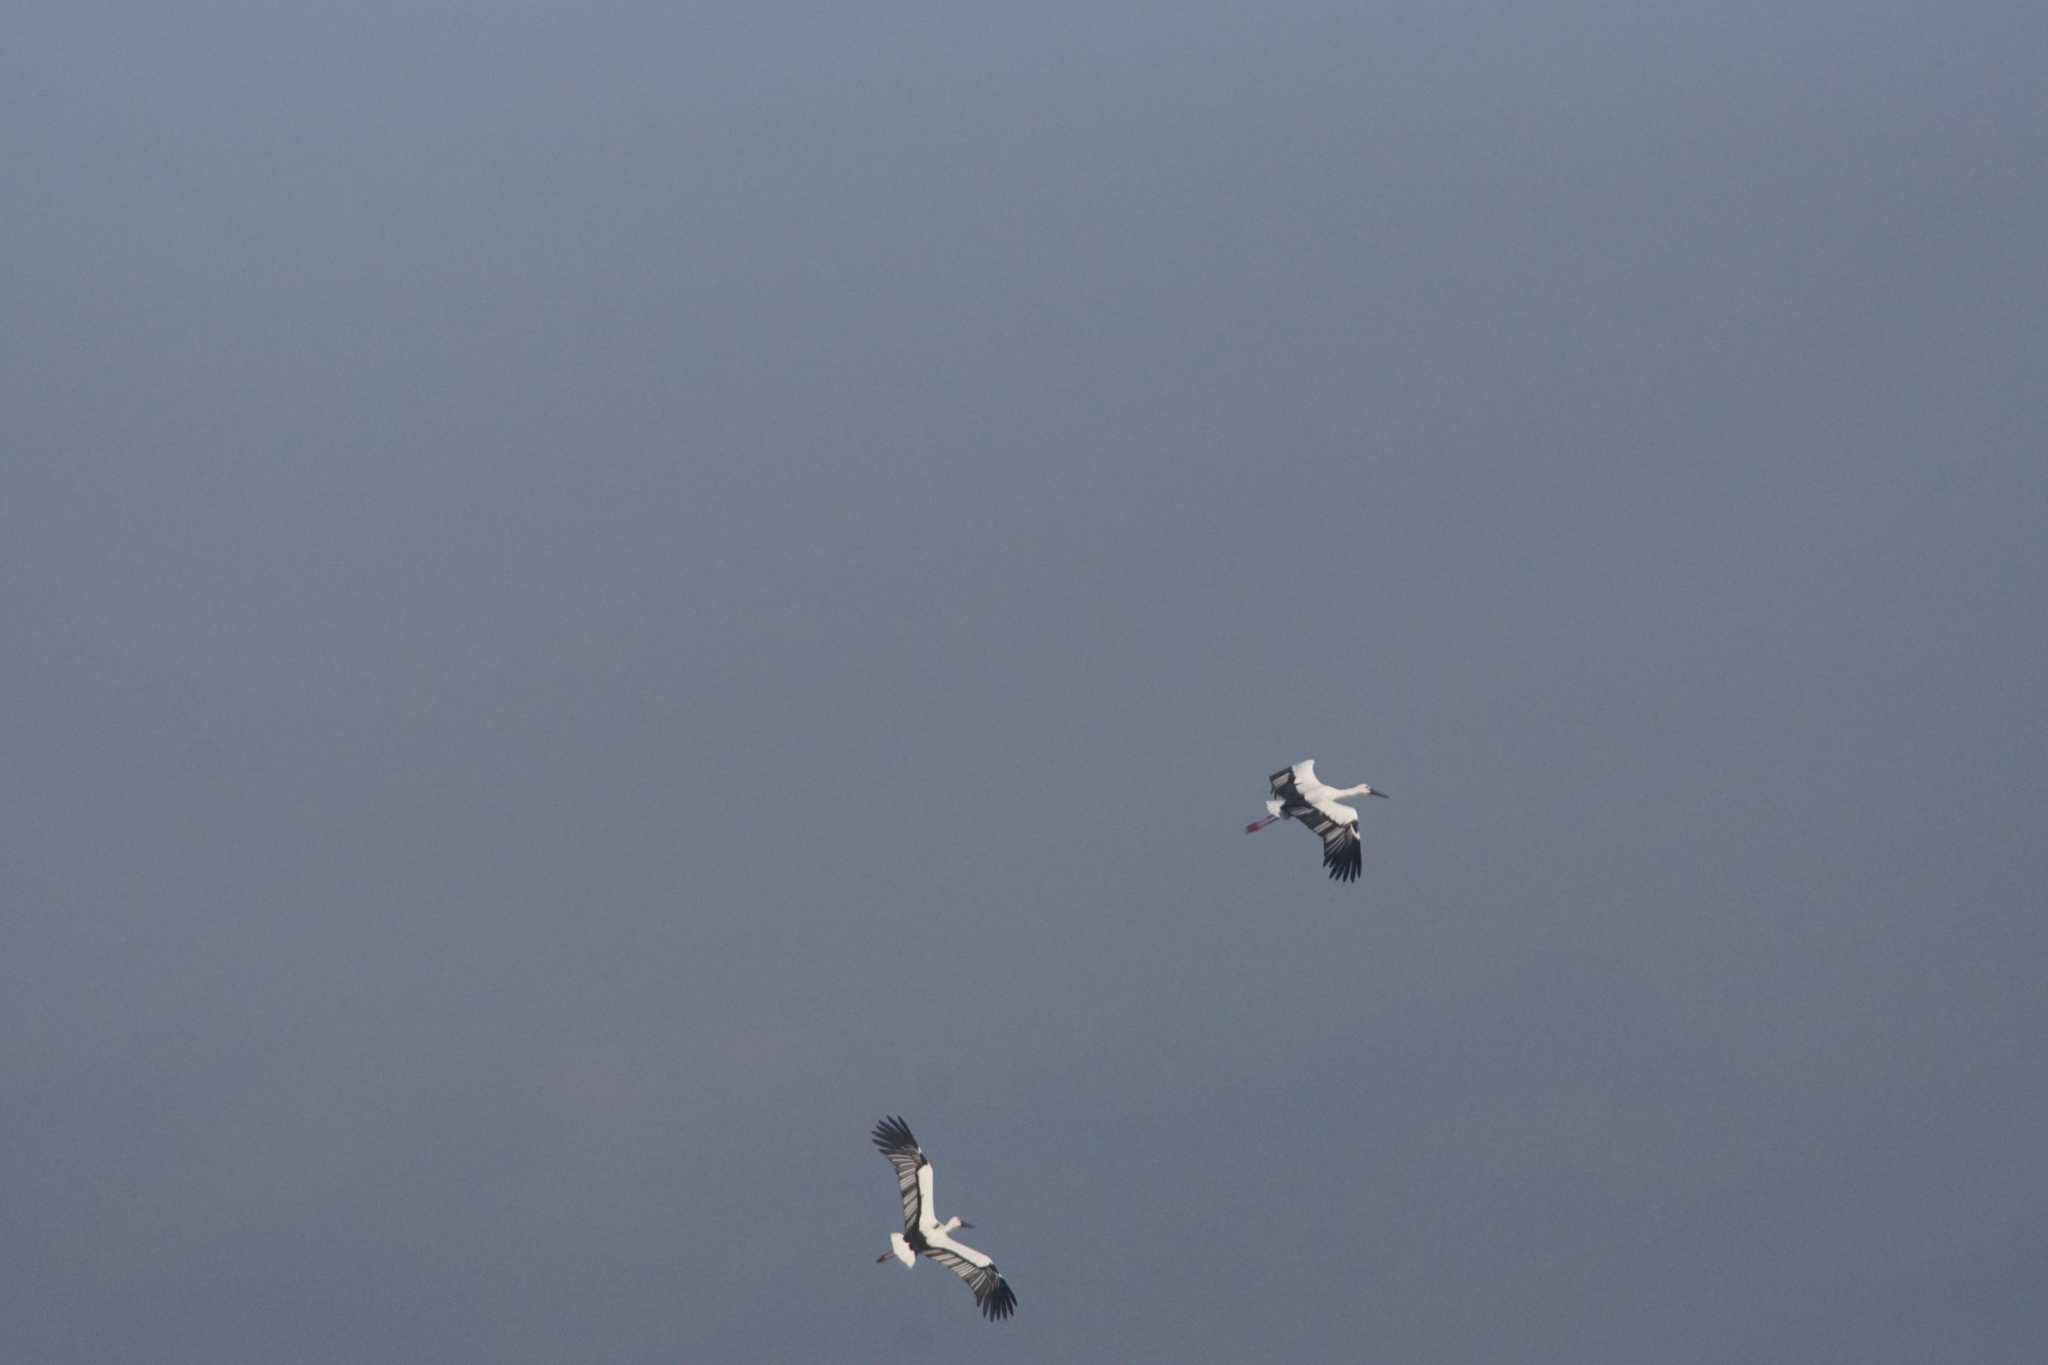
(598, 595)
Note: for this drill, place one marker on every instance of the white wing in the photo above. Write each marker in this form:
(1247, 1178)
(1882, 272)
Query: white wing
(926, 1219)
(1297, 792)
(991, 1292)
(1293, 784)
(913, 1172)
(1328, 809)
(1343, 855)
(1336, 824)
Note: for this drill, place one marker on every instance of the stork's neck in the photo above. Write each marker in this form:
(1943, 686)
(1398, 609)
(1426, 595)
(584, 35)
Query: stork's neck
(1362, 789)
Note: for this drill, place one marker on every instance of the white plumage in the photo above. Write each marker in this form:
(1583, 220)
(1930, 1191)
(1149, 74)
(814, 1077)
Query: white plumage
(1299, 795)
(923, 1233)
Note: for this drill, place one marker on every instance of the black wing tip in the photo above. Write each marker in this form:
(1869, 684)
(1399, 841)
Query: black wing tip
(1001, 1301)
(1345, 860)
(892, 1134)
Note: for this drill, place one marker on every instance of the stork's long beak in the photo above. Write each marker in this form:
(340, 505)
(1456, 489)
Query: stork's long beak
(1377, 792)
(964, 1225)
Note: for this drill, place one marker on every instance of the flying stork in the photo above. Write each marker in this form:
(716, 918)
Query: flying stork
(1299, 795)
(924, 1234)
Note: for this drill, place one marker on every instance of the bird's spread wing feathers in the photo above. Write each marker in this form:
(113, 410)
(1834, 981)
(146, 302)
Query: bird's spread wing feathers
(1289, 783)
(1342, 853)
(991, 1292)
(1300, 794)
(1336, 825)
(914, 1183)
(913, 1172)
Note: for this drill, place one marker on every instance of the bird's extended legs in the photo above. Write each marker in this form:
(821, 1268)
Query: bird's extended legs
(1255, 826)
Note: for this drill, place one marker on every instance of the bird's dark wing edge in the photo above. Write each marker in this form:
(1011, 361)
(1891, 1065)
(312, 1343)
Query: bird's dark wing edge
(1343, 854)
(991, 1291)
(892, 1136)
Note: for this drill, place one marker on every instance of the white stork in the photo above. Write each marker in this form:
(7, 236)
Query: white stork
(924, 1234)
(1298, 795)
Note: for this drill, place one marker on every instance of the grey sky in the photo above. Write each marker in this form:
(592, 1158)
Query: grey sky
(560, 560)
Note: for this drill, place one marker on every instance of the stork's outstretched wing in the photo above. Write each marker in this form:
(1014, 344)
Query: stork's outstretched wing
(1291, 784)
(1301, 796)
(991, 1292)
(1342, 853)
(913, 1172)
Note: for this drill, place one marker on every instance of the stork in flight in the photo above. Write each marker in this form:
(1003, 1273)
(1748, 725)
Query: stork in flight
(1299, 795)
(923, 1233)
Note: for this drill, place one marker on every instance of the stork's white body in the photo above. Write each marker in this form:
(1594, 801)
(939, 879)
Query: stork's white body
(924, 1234)
(1299, 794)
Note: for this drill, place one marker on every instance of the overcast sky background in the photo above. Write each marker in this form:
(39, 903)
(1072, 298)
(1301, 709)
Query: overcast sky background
(598, 595)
